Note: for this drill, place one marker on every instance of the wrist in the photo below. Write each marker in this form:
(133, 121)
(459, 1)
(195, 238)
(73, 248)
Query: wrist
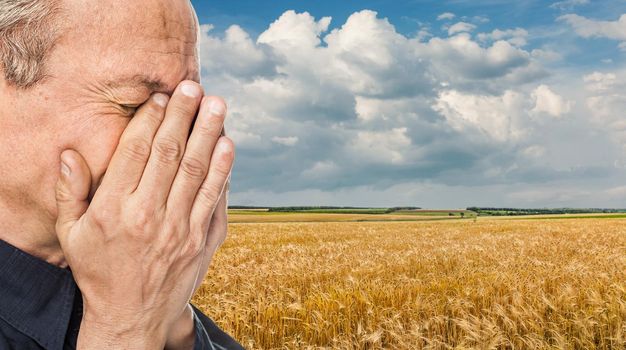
(119, 334)
(182, 335)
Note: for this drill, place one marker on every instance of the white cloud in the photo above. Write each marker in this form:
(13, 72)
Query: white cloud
(600, 82)
(364, 105)
(588, 28)
(446, 16)
(480, 19)
(322, 169)
(546, 55)
(461, 27)
(286, 141)
(250, 60)
(245, 139)
(516, 37)
(568, 4)
(547, 101)
(294, 31)
(606, 102)
(385, 147)
(534, 151)
(459, 57)
(495, 116)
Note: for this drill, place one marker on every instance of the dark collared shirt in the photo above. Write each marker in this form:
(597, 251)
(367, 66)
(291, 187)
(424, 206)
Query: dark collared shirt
(41, 307)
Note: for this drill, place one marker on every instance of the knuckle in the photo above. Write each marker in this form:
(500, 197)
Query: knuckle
(211, 131)
(153, 112)
(142, 219)
(62, 193)
(137, 150)
(209, 194)
(102, 216)
(201, 226)
(194, 246)
(223, 168)
(168, 150)
(193, 168)
(181, 108)
(170, 247)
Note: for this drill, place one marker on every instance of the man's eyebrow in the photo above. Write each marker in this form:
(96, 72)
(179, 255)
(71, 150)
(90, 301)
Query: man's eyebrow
(139, 80)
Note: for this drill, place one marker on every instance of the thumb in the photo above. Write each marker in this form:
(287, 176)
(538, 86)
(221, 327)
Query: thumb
(72, 191)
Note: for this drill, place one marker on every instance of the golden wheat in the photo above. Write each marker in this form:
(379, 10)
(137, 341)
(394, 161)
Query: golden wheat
(489, 284)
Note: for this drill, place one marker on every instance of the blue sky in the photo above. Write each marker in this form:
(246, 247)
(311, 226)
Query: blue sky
(408, 16)
(428, 103)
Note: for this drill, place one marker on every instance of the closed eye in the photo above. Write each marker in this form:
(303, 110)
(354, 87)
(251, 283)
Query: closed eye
(129, 109)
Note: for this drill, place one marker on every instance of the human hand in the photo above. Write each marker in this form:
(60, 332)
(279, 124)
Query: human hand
(137, 250)
(182, 334)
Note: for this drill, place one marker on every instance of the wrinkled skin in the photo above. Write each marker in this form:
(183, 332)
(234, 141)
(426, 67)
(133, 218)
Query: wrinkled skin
(111, 57)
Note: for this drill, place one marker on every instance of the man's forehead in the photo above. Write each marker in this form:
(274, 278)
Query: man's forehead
(148, 48)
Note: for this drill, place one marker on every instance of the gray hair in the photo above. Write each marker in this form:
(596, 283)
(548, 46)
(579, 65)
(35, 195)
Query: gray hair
(27, 35)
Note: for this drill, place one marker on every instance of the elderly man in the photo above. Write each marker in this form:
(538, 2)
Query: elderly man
(113, 179)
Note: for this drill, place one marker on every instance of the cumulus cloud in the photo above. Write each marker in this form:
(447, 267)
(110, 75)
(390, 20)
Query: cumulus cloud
(388, 147)
(547, 101)
(589, 28)
(607, 103)
(461, 27)
(287, 141)
(461, 58)
(294, 31)
(446, 16)
(600, 82)
(516, 37)
(568, 4)
(362, 108)
(251, 60)
(495, 116)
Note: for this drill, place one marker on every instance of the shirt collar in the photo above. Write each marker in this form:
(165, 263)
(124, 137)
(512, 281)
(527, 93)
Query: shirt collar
(35, 297)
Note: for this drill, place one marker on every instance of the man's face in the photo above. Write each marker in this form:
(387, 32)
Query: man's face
(112, 57)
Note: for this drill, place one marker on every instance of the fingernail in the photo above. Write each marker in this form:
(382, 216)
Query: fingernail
(224, 147)
(190, 90)
(65, 170)
(160, 99)
(217, 108)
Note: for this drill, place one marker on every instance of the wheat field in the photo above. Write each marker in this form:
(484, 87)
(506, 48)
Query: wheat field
(460, 284)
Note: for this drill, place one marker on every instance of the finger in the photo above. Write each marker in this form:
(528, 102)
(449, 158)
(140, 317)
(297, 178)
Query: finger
(219, 221)
(209, 193)
(72, 192)
(169, 143)
(217, 232)
(195, 163)
(130, 157)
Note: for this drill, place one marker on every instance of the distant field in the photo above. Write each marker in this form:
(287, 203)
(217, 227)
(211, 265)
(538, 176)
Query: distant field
(493, 283)
(560, 216)
(249, 216)
(260, 216)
